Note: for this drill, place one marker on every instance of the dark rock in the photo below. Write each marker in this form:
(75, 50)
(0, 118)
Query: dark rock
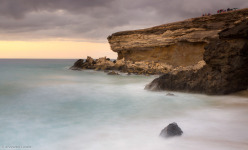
(77, 65)
(89, 63)
(171, 130)
(113, 73)
(239, 31)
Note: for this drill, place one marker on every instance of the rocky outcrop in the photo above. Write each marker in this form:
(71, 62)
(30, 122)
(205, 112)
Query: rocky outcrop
(77, 65)
(130, 67)
(81, 64)
(205, 55)
(171, 130)
(226, 68)
(89, 63)
(176, 44)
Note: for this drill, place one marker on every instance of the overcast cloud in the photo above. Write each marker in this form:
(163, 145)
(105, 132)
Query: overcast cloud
(94, 20)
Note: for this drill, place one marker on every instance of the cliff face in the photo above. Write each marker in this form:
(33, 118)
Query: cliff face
(177, 44)
(204, 55)
(226, 68)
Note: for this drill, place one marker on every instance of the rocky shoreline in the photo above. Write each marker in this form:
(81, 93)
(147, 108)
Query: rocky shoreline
(203, 55)
(226, 69)
(130, 67)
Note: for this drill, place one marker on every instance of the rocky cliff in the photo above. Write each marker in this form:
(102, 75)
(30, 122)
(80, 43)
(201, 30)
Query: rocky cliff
(177, 44)
(205, 55)
(226, 68)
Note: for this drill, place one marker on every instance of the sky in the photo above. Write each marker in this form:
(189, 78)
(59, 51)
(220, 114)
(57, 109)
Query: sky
(79, 28)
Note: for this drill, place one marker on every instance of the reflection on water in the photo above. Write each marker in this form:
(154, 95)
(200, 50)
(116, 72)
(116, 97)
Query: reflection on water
(46, 106)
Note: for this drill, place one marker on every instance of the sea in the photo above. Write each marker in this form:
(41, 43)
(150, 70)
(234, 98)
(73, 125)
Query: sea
(46, 106)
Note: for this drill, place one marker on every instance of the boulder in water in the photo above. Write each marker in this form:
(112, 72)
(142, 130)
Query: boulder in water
(171, 130)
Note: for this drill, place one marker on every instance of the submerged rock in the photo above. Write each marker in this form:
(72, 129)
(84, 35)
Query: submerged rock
(113, 73)
(170, 94)
(171, 130)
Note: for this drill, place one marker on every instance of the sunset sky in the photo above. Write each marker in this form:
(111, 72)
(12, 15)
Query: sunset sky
(78, 28)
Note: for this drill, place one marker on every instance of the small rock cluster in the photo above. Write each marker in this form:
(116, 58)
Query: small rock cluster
(121, 65)
(130, 67)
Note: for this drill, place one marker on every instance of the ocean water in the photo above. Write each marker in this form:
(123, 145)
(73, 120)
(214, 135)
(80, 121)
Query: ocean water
(46, 106)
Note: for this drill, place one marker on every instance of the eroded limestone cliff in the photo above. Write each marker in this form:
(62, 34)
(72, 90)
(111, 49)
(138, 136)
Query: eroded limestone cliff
(226, 68)
(205, 55)
(177, 44)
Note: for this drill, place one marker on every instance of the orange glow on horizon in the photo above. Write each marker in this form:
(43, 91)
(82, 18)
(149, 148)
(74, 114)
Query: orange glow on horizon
(54, 49)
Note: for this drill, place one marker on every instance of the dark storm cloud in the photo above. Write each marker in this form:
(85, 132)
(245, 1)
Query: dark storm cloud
(18, 8)
(95, 19)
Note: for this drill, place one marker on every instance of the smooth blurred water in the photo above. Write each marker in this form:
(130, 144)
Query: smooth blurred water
(46, 106)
